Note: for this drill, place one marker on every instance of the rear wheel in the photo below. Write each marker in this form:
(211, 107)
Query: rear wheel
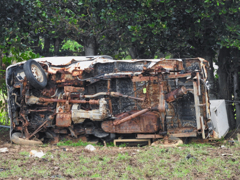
(35, 74)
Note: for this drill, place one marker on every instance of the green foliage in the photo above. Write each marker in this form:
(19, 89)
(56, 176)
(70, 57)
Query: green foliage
(71, 45)
(3, 117)
(17, 56)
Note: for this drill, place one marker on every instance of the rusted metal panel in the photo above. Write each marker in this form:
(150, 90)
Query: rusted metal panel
(146, 123)
(182, 130)
(73, 89)
(170, 64)
(71, 101)
(120, 121)
(144, 78)
(63, 119)
(109, 99)
(77, 73)
(192, 64)
(60, 131)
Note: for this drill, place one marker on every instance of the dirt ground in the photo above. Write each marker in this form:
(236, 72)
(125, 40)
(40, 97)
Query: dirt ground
(4, 136)
(215, 160)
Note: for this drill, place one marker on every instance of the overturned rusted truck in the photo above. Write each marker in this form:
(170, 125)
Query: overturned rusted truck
(106, 99)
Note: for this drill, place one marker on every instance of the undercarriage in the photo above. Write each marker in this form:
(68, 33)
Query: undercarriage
(98, 97)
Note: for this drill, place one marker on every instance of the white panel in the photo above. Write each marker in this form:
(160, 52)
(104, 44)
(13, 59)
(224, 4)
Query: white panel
(219, 117)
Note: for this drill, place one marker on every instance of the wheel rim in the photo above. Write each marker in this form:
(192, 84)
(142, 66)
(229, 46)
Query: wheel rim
(37, 73)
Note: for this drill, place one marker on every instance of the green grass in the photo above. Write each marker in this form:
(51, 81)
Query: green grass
(197, 145)
(81, 143)
(123, 157)
(127, 163)
(111, 144)
(73, 144)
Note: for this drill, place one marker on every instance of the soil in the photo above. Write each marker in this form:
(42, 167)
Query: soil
(4, 136)
(233, 134)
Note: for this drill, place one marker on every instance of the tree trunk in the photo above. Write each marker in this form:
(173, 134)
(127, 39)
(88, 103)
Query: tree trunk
(2, 72)
(137, 52)
(236, 96)
(56, 46)
(132, 52)
(236, 53)
(224, 83)
(36, 48)
(90, 46)
(46, 47)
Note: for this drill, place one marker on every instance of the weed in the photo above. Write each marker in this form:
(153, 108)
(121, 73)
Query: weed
(24, 153)
(111, 144)
(122, 145)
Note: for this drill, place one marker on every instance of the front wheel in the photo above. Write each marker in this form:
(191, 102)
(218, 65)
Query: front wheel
(35, 74)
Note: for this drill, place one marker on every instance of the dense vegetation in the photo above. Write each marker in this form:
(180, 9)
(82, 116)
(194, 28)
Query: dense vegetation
(136, 29)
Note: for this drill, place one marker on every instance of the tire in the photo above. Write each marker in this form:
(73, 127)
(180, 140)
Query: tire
(21, 141)
(35, 74)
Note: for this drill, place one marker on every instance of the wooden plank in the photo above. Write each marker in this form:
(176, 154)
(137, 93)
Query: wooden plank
(131, 140)
(198, 84)
(196, 101)
(190, 134)
(151, 136)
(156, 136)
(203, 127)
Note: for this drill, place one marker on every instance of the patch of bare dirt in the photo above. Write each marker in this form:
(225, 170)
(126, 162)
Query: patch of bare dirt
(4, 135)
(233, 134)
